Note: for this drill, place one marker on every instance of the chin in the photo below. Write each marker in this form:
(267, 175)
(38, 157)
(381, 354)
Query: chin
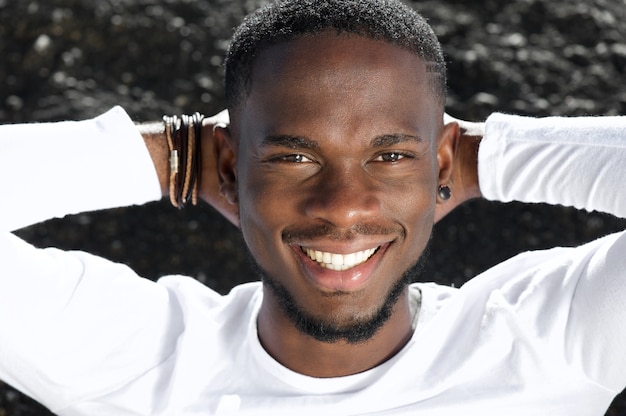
(340, 325)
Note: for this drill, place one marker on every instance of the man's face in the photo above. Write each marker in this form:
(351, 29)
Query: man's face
(337, 171)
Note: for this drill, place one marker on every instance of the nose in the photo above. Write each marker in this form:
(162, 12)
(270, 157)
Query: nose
(343, 197)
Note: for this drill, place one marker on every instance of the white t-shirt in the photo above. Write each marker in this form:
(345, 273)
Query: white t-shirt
(541, 334)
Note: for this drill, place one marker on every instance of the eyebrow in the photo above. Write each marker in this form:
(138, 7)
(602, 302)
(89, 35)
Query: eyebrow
(302, 142)
(387, 140)
(292, 142)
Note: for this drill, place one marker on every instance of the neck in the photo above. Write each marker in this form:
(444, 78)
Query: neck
(306, 355)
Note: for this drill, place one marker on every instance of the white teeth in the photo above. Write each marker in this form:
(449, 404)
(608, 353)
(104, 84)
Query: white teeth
(326, 258)
(359, 257)
(339, 262)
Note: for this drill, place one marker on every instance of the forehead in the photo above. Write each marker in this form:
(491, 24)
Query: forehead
(341, 79)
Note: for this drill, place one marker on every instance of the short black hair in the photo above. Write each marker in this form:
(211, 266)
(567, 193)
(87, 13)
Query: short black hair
(283, 21)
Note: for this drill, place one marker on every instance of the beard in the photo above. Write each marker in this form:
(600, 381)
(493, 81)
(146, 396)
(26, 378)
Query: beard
(325, 330)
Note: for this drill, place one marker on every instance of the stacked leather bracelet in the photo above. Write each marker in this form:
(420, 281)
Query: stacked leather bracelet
(184, 135)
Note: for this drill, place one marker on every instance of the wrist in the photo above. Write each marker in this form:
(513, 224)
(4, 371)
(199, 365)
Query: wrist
(184, 138)
(154, 137)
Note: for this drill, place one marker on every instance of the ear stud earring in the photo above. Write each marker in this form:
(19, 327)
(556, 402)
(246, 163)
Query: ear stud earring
(444, 192)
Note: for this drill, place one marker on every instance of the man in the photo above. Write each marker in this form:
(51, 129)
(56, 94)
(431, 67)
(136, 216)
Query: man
(336, 164)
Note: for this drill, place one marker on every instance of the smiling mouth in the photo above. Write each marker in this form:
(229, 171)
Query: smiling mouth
(339, 262)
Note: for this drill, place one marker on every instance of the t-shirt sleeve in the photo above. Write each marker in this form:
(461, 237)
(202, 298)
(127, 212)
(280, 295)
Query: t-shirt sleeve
(51, 170)
(576, 296)
(74, 326)
(595, 331)
(576, 161)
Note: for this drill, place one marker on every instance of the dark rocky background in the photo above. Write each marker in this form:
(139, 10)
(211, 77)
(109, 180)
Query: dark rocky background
(70, 59)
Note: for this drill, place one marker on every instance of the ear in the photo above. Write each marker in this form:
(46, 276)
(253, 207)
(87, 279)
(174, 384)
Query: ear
(226, 151)
(457, 156)
(446, 149)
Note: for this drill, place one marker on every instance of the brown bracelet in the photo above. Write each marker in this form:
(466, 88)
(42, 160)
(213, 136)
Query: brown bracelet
(184, 136)
(197, 159)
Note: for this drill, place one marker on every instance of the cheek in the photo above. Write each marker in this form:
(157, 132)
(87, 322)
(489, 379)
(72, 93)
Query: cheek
(414, 207)
(419, 214)
(264, 212)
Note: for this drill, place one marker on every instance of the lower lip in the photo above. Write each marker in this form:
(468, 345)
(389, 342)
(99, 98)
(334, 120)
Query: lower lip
(345, 280)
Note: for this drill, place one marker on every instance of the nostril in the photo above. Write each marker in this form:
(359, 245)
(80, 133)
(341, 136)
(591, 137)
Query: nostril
(343, 202)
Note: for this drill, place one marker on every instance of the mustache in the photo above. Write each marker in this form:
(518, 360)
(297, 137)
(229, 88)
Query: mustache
(295, 234)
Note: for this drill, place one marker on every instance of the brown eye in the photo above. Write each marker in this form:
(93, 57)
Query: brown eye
(390, 157)
(294, 158)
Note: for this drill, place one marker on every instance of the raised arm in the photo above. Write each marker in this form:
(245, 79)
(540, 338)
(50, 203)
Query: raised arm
(55, 169)
(576, 161)
(570, 161)
(209, 191)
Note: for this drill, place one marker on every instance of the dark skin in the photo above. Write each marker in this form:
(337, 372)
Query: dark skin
(354, 141)
(209, 191)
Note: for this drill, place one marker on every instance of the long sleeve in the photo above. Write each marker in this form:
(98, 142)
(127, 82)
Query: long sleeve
(579, 162)
(64, 316)
(53, 169)
(573, 296)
